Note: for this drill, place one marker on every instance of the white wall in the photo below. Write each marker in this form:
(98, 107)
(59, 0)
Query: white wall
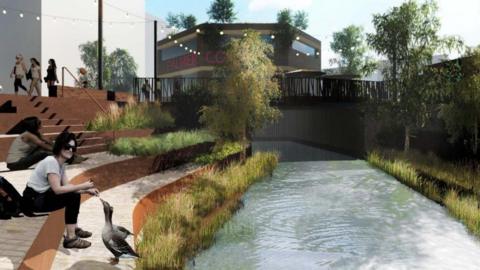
(61, 38)
(18, 35)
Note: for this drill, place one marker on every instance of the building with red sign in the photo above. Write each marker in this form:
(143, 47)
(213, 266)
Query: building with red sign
(195, 52)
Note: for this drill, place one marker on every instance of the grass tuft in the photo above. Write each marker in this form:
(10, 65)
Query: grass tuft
(186, 222)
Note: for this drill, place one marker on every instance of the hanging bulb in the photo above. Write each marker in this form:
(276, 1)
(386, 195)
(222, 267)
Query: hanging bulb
(38, 18)
(21, 15)
(4, 12)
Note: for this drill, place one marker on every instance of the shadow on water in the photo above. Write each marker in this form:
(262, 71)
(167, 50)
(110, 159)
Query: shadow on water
(293, 151)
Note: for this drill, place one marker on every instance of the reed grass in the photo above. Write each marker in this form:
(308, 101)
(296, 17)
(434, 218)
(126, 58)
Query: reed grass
(191, 217)
(159, 144)
(464, 208)
(220, 152)
(132, 116)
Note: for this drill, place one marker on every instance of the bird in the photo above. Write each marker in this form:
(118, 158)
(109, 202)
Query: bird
(113, 236)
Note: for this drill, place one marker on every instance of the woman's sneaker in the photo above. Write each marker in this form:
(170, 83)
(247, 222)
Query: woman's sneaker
(82, 234)
(76, 243)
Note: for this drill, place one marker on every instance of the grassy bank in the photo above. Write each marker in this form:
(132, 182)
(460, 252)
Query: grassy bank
(463, 207)
(186, 222)
(159, 144)
(220, 152)
(132, 116)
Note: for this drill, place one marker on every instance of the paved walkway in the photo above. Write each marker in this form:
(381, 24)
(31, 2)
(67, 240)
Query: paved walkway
(123, 198)
(17, 235)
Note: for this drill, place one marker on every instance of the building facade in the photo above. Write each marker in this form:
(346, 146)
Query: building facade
(196, 52)
(56, 28)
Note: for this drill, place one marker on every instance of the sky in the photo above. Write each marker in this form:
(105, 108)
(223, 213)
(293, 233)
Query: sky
(458, 17)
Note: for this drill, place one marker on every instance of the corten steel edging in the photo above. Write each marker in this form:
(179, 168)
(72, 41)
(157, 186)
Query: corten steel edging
(149, 203)
(42, 253)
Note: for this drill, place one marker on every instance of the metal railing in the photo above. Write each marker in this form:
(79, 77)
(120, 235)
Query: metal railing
(312, 88)
(83, 89)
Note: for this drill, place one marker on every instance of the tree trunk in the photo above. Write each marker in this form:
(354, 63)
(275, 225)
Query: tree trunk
(475, 138)
(406, 146)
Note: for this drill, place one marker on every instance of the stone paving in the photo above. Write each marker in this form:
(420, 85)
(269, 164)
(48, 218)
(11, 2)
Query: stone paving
(123, 198)
(17, 234)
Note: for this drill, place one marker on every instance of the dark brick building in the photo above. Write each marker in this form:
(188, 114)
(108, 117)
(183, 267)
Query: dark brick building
(195, 52)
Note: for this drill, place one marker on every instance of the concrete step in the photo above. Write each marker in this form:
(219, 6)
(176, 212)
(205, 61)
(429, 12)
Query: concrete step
(61, 128)
(82, 150)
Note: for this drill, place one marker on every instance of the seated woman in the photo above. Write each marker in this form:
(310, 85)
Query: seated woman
(48, 189)
(28, 148)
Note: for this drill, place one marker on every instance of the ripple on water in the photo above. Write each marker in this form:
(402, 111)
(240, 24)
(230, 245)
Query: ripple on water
(339, 215)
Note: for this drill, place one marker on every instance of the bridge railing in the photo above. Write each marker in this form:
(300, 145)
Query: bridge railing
(292, 88)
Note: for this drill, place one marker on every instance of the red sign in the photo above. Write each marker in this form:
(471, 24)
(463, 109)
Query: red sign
(192, 60)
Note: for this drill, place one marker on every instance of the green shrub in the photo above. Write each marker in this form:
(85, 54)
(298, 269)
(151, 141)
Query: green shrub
(159, 144)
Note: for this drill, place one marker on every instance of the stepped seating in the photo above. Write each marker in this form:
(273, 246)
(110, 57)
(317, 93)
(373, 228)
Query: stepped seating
(70, 113)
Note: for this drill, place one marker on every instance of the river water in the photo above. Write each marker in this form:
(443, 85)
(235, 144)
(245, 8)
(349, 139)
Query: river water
(334, 212)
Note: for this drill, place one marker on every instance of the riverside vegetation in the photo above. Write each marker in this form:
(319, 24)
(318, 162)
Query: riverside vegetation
(186, 222)
(452, 185)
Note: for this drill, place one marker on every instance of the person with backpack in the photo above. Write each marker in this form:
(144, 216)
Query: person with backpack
(18, 72)
(34, 74)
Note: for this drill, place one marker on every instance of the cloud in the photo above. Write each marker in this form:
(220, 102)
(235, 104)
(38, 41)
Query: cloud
(259, 5)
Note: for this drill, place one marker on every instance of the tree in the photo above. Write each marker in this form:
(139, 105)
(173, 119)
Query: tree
(189, 21)
(301, 20)
(285, 32)
(350, 44)
(222, 11)
(119, 68)
(89, 57)
(408, 36)
(181, 20)
(241, 99)
(123, 70)
(287, 26)
(462, 111)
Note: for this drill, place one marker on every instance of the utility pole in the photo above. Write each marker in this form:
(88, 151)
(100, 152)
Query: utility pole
(100, 44)
(155, 59)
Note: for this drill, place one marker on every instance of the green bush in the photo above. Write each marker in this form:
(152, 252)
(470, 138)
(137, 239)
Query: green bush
(159, 144)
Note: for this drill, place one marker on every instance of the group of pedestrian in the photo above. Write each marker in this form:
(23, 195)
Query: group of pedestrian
(34, 74)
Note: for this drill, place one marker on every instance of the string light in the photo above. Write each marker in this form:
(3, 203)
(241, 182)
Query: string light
(4, 12)
(297, 54)
(298, 38)
(221, 33)
(21, 15)
(272, 36)
(181, 45)
(244, 34)
(175, 41)
(198, 30)
(198, 53)
(38, 18)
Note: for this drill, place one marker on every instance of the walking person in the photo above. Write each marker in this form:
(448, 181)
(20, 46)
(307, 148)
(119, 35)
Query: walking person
(48, 189)
(52, 78)
(36, 74)
(18, 72)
